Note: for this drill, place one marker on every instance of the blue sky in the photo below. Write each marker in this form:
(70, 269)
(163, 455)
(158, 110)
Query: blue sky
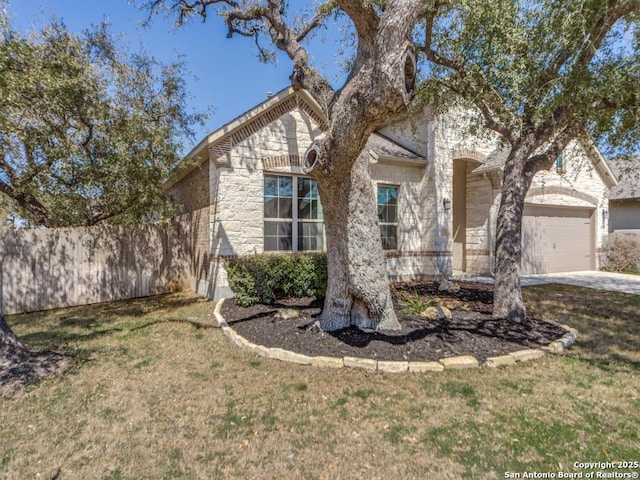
(224, 73)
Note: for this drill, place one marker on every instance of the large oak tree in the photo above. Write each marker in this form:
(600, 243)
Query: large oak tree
(88, 132)
(540, 73)
(379, 86)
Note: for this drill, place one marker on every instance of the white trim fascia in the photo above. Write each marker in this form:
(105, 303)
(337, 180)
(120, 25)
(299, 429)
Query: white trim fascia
(398, 161)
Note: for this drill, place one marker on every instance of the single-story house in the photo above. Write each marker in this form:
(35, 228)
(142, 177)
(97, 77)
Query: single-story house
(624, 198)
(438, 193)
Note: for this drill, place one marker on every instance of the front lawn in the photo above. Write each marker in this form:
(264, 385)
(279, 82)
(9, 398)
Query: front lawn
(154, 392)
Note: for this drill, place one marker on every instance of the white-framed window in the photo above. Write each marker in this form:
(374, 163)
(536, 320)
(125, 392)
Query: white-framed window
(388, 216)
(292, 214)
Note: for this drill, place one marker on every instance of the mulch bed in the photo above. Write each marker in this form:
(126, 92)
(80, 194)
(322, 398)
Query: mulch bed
(471, 331)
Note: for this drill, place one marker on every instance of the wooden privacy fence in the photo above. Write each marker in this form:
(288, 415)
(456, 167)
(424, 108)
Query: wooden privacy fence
(50, 268)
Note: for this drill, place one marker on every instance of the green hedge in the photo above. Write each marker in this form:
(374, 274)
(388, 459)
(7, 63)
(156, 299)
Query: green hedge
(263, 278)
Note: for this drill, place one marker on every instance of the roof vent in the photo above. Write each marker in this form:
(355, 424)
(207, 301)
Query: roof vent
(269, 94)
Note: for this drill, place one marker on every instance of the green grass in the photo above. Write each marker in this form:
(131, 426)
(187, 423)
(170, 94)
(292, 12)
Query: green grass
(153, 392)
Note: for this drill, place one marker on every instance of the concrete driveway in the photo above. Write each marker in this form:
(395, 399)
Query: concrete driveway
(615, 282)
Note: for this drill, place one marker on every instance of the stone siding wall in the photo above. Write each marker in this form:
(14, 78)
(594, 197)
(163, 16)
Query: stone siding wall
(452, 142)
(480, 196)
(425, 223)
(237, 189)
(579, 184)
(410, 260)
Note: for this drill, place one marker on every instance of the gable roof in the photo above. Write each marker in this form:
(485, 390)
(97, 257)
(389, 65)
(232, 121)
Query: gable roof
(218, 143)
(386, 147)
(627, 170)
(495, 161)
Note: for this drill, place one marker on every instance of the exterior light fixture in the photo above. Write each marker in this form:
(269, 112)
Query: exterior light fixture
(446, 204)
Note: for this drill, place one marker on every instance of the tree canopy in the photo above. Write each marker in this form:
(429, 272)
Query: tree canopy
(547, 66)
(540, 73)
(88, 131)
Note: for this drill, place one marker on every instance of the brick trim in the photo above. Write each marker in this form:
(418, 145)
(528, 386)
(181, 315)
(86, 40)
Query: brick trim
(254, 125)
(467, 153)
(550, 190)
(387, 254)
(279, 161)
(421, 253)
(476, 251)
(219, 150)
(306, 108)
(224, 145)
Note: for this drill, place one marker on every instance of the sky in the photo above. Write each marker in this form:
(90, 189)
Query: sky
(223, 73)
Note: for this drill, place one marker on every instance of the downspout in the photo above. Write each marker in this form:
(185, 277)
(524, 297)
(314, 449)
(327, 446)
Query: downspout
(490, 238)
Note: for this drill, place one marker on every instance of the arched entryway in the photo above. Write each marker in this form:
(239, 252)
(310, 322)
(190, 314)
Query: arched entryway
(472, 197)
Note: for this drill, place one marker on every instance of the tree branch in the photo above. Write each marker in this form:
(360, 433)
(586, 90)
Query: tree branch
(101, 217)
(432, 55)
(322, 12)
(186, 8)
(8, 170)
(487, 114)
(28, 203)
(599, 28)
(557, 121)
(484, 95)
(288, 41)
(545, 159)
(245, 16)
(365, 20)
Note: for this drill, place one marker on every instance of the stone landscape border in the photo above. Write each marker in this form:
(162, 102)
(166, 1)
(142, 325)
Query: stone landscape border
(450, 363)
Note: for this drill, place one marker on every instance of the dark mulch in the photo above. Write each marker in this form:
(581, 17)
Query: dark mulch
(471, 331)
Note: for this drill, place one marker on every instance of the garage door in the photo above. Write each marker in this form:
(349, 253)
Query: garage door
(556, 239)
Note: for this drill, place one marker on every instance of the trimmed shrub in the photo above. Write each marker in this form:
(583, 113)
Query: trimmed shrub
(414, 304)
(620, 252)
(263, 278)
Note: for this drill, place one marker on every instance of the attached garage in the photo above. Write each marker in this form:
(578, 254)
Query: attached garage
(557, 239)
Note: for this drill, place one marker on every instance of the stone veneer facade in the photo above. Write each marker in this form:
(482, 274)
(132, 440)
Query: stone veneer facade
(275, 139)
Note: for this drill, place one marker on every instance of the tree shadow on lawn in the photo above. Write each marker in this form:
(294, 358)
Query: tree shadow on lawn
(88, 316)
(92, 321)
(608, 323)
(55, 337)
(61, 338)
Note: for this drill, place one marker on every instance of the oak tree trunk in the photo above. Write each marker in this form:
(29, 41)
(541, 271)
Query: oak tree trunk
(381, 87)
(358, 289)
(507, 292)
(12, 350)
